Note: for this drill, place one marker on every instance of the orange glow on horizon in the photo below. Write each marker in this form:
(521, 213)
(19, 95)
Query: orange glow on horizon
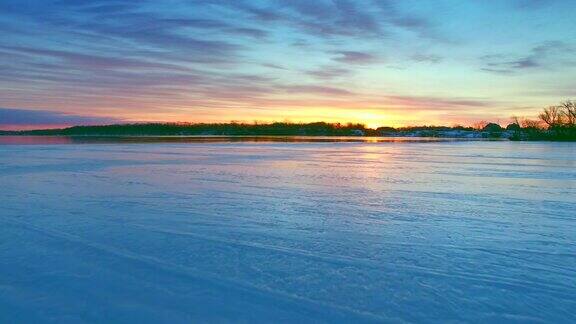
(371, 118)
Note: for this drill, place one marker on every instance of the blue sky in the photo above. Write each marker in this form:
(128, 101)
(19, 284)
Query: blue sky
(380, 62)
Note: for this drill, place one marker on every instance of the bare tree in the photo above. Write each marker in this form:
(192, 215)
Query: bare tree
(531, 123)
(480, 125)
(515, 120)
(552, 116)
(569, 112)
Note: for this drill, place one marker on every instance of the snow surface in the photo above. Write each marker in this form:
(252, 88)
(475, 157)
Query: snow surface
(288, 232)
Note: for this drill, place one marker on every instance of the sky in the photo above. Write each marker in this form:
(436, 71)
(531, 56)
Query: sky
(378, 62)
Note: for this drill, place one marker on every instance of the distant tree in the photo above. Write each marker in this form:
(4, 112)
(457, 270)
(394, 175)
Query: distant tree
(530, 123)
(552, 116)
(554, 123)
(515, 127)
(480, 124)
(568, 111)
(492, 128)
(385, 129)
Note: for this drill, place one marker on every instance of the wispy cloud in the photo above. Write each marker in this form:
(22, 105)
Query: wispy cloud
(419, 102)
(426, 58)
(355, 57)
(328, 73)
(544, 56)
(315, 89)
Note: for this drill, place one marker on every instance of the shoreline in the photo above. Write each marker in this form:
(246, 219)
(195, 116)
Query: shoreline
(143, 139)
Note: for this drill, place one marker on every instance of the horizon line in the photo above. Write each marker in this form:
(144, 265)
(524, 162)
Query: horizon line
(257, 123)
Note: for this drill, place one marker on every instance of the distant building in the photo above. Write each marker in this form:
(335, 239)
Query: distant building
(357, 132)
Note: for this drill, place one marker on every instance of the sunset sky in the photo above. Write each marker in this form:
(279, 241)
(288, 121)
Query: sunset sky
(379, 62)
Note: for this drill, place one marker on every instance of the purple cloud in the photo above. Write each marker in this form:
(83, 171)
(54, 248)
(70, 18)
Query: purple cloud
(17, 117)
(544, 56)
(353, 57)
(328, 73)
(315, 89)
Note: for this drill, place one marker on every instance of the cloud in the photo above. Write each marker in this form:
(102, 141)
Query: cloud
(545, 56)
(328, 73)
(315, 89)
(331, 18)
(417, 102)
(274, 66)
(88, 61)
(252, 32)
(426, 58)
(419, 25)
(328, 19)
(354, 57)
(525, 63)
(16, 117)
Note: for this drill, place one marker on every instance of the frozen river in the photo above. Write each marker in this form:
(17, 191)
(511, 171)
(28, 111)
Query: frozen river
(288, 232)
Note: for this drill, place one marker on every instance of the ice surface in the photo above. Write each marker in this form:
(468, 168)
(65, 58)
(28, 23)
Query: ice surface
(288, 232)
